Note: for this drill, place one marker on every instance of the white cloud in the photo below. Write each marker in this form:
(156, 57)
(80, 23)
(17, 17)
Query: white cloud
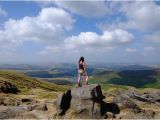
(139, 15)
(91, 39)
(47, 27)
(149, 48)
(130, 50)
(2, 12)
(144, 15)
(86, 8)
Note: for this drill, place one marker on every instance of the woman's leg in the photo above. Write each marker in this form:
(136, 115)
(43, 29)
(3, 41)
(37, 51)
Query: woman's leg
(79, 78)
(86, 79)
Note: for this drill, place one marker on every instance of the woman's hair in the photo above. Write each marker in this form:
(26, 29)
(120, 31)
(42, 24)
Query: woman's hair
(81, 59)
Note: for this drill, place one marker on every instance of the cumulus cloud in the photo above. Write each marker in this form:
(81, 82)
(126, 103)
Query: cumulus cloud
(2, 12)
(144, 14)
(91, 39)
(86, 8)
(138, 15)
(47, 27)
(131, 50)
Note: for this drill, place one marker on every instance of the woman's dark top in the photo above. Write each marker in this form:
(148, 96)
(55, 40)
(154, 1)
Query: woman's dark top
(81, 66)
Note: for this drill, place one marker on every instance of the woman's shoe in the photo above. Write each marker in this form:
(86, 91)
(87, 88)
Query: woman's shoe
(86, 83)
(78, 85)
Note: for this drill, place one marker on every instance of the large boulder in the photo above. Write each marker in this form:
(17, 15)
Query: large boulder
(88, 92)
(86, 102)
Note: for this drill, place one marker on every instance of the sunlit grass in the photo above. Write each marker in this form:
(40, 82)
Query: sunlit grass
(25, 83)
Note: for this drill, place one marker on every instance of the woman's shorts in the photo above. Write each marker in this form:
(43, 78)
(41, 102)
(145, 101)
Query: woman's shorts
(81, 72)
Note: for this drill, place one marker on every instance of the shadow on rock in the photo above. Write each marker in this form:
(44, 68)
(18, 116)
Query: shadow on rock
(63, 102)
(109, 107)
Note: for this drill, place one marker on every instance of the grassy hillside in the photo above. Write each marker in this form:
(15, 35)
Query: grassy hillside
(135, 78)
(25, 83)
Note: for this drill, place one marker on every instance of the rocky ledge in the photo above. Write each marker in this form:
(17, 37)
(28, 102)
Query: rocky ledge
(86, 101)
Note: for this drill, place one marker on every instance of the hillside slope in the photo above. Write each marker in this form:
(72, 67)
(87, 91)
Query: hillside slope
(135, 78)
(24, 83)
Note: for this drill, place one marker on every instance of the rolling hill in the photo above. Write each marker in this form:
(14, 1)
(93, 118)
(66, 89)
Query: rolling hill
(24, 83)
(135, 78)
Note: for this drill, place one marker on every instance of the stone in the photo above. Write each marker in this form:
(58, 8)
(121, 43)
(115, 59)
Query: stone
(88, 92)
(87, 99)
(86, 102)
(3, 115)
(110, 115)
(11, 112)
(1, 101)
(41, 107)
(12, 101)
(126, 103)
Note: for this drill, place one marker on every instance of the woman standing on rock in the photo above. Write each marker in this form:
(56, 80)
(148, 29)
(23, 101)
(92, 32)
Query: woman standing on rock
(82, 71)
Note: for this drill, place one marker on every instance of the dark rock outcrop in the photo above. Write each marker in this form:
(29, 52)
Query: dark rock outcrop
(86, 101)
(7, 87)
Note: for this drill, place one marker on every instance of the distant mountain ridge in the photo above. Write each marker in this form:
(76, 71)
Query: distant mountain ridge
(71, 66)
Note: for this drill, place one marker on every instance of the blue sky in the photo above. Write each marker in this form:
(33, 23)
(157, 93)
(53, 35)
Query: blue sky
(62, 31)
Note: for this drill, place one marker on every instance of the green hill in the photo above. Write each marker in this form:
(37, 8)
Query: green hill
(135, 78)
(25, 83)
